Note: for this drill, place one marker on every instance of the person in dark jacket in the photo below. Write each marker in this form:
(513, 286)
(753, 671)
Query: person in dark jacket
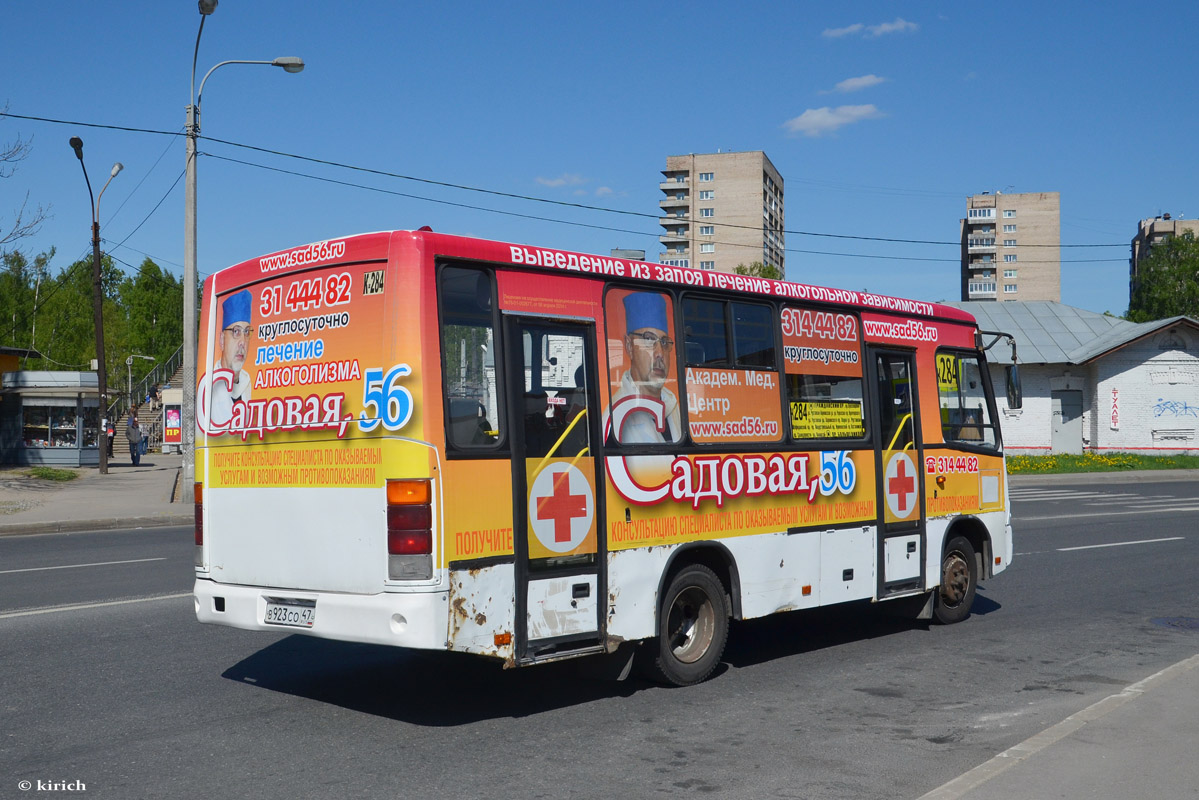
(133, 433)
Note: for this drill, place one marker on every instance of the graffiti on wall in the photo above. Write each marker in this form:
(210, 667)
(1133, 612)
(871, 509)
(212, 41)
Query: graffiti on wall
(1174, 408)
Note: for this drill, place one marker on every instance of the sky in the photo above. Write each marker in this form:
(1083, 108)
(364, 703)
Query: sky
(549, 125)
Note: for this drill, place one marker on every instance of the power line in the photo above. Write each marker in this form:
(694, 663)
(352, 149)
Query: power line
(527, 198)
(538, 218)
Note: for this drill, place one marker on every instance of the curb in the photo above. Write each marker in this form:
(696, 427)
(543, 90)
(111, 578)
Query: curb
(963, 784)
(1132, 476)
(80, 525)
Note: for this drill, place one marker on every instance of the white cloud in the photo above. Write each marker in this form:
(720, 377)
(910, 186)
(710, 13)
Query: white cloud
(837, 33)
(900, 25)
(818, 121)
(603, 191)
(856, 84)
(565, 179)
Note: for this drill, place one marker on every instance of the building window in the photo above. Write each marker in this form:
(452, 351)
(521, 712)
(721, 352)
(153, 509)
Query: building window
(982, 287)
(707, 265)
(707, 230)
(707, 194)
(1009, 273)
(986, 241)
(707, 247)
(707, 212)
(680, 213)
(980, 213)
(1008, 213)
(707, 176)
(1009, 242)
(1009, 257)
(1009, 288)
(680, 178)
(1009, 228)
(676, 262)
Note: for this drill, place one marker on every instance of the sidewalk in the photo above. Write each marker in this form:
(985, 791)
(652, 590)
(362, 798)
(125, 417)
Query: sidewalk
(127, 497)
(1139, 742)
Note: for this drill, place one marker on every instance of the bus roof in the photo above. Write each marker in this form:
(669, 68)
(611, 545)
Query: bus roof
(376, 246)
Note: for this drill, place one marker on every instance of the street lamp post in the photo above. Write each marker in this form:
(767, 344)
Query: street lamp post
(98, 301)
(129, 376)
(289, 64)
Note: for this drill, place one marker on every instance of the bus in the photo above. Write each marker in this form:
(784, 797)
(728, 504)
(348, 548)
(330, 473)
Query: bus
(445, 443)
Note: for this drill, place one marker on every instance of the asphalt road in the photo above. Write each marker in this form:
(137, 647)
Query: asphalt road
(107, 684)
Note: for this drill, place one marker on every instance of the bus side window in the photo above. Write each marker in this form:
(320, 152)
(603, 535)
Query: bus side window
(468, 348)
(732, 373)
(822, 358)
(965, 415)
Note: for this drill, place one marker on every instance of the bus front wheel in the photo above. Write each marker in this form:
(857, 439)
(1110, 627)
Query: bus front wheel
(959, 581)
(693, 627)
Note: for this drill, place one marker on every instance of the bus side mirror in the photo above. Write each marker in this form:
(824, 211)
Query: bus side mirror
(1015, 395)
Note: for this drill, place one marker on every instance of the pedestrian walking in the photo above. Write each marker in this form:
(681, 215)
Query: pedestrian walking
(133, 433)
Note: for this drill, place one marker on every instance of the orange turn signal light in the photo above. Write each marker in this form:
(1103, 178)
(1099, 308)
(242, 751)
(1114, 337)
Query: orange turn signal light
(503, 639)
(408, 492)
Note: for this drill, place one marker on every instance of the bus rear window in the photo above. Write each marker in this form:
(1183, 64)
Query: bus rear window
(468, 359)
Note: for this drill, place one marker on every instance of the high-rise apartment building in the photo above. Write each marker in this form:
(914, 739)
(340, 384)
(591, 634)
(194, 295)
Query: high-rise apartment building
(1149, 233)
(1011, 247)
(721, 210)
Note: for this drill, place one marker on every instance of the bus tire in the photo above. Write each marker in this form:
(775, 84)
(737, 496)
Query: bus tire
(693, 627)
(959, 582)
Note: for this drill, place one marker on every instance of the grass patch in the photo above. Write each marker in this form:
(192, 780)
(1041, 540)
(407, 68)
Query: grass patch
(52, 474)
(1089, 462)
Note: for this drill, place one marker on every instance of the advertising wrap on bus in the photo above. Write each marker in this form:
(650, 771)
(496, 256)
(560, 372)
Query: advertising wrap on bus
(298, 366)
(439, 442)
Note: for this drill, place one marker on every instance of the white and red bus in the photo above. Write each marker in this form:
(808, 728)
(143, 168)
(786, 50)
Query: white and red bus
(445, 443)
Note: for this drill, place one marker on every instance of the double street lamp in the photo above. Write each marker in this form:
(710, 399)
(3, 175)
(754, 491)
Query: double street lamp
(289, 64)
(98, 299)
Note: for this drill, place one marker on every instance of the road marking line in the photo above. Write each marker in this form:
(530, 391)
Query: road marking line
(1120, 544)
(1023, 518)
(83, 606)
(78, 566)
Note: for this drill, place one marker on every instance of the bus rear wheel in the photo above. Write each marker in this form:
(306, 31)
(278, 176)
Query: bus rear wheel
(693, 627)
(959, 581)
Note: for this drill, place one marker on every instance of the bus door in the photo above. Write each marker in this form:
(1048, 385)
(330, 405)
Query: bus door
(898, 462)
(557, 479)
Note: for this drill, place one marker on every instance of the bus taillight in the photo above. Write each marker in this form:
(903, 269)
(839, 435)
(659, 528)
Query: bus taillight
(409, 530)
(198, 496)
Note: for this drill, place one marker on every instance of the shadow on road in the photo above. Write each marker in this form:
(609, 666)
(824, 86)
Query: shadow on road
(449, 689)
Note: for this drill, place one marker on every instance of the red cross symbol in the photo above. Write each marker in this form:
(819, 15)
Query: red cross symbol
(562, 506)
(901, 485)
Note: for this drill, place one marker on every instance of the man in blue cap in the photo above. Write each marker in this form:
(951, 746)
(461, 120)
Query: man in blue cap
(649, 348)
(236, 333)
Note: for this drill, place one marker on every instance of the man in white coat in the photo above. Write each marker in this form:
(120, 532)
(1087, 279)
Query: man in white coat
(230, 382)
(643, 410)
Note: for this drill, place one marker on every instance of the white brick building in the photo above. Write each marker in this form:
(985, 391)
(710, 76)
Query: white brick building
(1095, 383)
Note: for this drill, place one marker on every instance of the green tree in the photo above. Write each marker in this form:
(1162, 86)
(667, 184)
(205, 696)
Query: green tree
(1167, 281)
(153, 304)
(759, 270)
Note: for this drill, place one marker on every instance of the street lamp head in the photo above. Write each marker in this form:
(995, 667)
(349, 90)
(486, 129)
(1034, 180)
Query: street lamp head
(290, 64)
(77, 146)
(207, 6)
(117, 167)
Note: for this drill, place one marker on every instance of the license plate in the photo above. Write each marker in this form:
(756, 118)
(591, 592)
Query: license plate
(290, 612)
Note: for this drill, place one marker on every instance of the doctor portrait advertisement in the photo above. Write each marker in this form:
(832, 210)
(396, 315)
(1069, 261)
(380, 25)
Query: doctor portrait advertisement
(645, 404)
(230, 381)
